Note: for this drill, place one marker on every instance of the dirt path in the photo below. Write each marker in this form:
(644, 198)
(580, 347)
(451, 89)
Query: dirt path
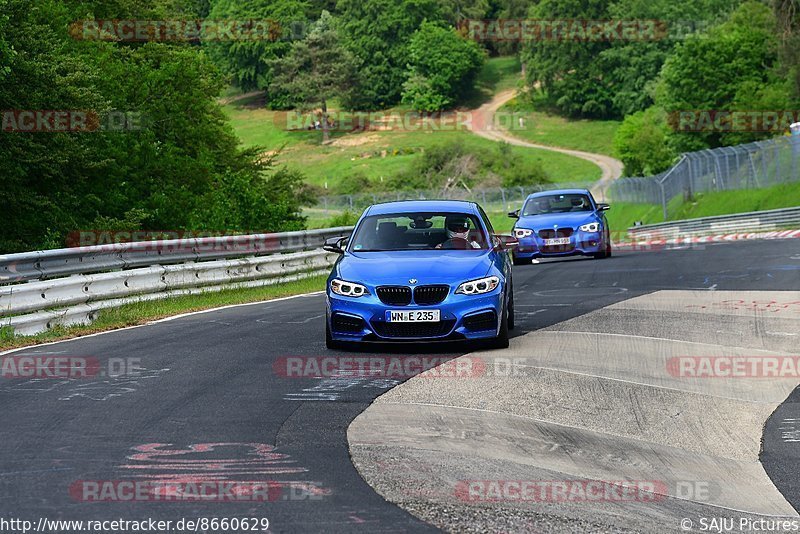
(235, 98)
(611, 167)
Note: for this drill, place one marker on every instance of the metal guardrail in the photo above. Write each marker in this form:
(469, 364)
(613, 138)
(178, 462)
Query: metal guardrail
(46, 264)
(69, 286)
(755, 221)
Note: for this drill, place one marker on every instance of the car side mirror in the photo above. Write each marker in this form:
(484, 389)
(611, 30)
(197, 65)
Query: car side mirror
(506, 242)
(335, 244)
(603, 207)
(514, 214)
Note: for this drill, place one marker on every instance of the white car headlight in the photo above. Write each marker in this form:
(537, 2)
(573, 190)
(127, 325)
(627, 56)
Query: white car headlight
(591, 227)
(522, 232)
(479, 286)
(348, 289)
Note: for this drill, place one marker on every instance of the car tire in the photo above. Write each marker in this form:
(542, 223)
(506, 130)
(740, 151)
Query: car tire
(511, 317)
(521, 261)
(606, 251)
(331, 343)
(501, 341)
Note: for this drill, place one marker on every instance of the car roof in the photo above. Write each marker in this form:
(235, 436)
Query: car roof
(560, 192)
(417, 206)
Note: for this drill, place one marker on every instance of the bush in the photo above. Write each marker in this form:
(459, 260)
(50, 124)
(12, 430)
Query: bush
(351, 184)
(641, 143)
(442, 68)
(454, 164)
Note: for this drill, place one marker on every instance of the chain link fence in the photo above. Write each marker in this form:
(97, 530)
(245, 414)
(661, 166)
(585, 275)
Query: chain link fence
(751, 166)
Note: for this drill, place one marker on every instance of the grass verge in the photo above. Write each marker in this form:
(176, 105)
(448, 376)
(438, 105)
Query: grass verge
(545, 128)
(623, 215)
(138, 313)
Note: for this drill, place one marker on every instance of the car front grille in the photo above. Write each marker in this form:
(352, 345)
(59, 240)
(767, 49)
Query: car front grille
(552, 234)
(428, 295)
(395, 295)
(481, 321)
(413, 330)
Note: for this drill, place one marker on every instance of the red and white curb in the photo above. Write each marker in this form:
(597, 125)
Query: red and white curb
(718, 238)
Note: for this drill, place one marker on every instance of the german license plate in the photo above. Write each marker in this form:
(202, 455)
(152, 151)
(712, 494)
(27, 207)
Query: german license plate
(412, 316)
(557, 241)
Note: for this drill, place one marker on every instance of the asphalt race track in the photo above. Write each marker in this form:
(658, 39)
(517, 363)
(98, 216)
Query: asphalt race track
(210, 404)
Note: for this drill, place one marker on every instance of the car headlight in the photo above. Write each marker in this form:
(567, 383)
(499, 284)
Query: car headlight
(479, 286)
(522, 232)
(591, 227)
(348, 289)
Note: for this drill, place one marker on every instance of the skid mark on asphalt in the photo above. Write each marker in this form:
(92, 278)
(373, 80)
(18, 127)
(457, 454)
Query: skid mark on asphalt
(333, 389)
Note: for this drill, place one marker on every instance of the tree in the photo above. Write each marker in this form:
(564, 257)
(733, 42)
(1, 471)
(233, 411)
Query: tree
(157, 176)
(442, 67)
(787, 13)
(315, 70)
(377, 33)
(246, 62)
(641, 143)
(567, 70)
(455, 11)
(732, 67)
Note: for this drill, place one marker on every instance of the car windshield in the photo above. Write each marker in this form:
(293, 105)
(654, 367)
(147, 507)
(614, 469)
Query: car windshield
(557, 204)
(419, 231)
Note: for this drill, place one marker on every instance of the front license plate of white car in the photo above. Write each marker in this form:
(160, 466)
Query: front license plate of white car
(412, 316)
(557, 241)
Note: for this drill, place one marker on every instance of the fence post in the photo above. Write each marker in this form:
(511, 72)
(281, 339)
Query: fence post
(503, 195)
(663, 200)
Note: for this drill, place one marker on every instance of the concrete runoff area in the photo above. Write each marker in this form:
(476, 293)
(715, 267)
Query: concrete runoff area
(671, 388)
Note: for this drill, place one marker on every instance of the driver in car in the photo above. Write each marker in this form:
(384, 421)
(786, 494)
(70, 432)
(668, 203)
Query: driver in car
(457, 234)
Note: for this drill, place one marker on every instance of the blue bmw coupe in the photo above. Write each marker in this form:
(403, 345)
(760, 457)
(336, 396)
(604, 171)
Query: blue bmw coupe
(428, 270)
(566, 222)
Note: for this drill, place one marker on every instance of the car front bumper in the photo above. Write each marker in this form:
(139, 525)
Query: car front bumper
(580, 244)
(461, 317)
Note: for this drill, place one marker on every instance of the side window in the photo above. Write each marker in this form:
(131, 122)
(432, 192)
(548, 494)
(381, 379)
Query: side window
(486, 220)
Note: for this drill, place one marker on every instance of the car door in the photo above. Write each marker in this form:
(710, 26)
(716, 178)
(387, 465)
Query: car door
(501, 258)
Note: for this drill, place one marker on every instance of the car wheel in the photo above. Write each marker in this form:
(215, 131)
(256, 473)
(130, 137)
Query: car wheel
(501, 341)
(511, 317)
(521, 261)
(331, 343)
(606, 250)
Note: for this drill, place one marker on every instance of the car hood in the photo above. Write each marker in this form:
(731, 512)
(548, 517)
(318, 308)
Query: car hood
(572, 220)
(426, 266)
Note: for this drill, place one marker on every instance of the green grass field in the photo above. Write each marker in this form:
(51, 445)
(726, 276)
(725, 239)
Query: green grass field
(379, 154)
(546, 128)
